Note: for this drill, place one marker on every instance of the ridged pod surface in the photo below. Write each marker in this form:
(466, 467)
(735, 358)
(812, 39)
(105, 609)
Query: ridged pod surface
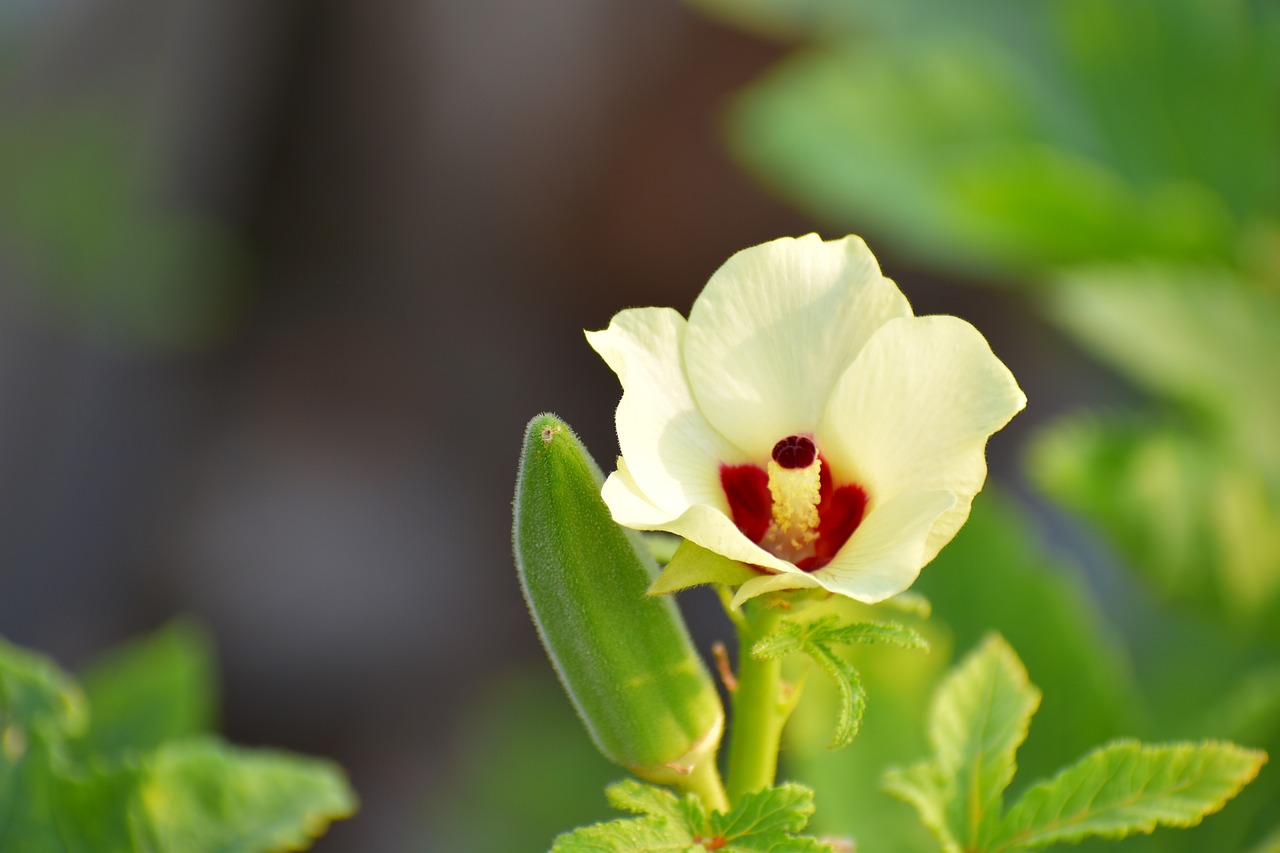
(626, 660)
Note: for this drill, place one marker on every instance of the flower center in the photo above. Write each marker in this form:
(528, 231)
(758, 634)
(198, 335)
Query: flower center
(793, 509)
(795, 487)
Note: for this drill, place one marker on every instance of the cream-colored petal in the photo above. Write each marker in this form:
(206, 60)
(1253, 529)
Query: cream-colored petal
(913, 414)
(715, 531)
(885, 554)
(672, 452)
(771, 583)
(703, 525)
(628, 505)
(775, 328)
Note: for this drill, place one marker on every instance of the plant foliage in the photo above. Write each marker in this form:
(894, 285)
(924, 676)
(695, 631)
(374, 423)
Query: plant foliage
(980, 716)
(762, 822)
(147, 777)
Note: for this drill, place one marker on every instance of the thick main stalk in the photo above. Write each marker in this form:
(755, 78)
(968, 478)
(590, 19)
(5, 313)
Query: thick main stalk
(760, 708)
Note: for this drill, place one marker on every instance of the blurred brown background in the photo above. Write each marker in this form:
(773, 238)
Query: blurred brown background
(281, 284)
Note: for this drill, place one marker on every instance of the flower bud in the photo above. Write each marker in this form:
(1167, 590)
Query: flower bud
(625, 660)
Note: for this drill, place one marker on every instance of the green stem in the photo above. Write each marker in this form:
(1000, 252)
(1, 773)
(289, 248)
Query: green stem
(759, 708)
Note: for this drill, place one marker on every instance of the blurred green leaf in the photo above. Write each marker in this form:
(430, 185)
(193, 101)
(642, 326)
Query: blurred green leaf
(522, 771)
(1202, 337)
(153, 690)
(951, 150)
(1250, 711)
(35, 692)
(1199, 522)
(1270, 844)
(1014, 138)
(193, 795)
(200, 795)
(50, 806)
(1149, 75)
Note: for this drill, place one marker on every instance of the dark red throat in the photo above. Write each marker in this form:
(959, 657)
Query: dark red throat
(751, 506)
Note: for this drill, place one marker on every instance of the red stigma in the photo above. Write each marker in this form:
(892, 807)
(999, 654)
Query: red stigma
(795, 451)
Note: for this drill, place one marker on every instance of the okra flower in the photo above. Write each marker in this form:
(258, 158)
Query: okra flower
(803, 422)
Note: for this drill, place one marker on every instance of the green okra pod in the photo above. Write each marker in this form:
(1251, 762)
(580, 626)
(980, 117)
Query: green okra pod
(626, 660)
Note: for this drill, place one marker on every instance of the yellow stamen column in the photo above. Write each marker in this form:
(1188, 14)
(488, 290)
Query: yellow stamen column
(796, 493)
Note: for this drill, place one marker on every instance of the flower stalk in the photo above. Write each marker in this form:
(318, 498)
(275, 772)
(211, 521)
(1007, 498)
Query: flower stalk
(760, 706)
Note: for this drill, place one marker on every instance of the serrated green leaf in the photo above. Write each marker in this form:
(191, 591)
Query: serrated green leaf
(815, 639)
(979, 717)
(636, 835)
(777, 844)
(995, 575)
(765, 822)
(786, 808)
(201, 795)
(793, 635)
(153, 690)
(761, 822)
(1127, 787)
(692, 565)
(639, 798)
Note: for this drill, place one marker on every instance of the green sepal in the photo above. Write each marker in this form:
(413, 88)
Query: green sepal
(692, 565)
(662, 546)
(626, 660)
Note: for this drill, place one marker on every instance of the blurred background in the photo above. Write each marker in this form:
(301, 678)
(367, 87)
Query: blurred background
(281, 283)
